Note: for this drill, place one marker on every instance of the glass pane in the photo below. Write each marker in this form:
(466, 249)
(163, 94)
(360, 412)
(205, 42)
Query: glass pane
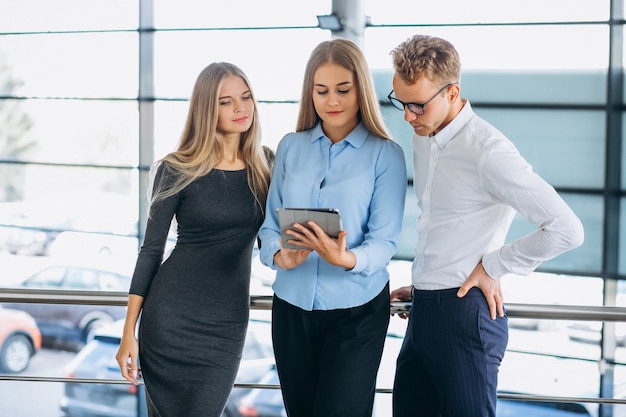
(485, 11)
(622, 239)
(504, 47)
(560, 86)
(623, 169)
(70, 131)
(565, 147)
(245, 13)
(280, 80)
(588, 257)
(27, 399)
(45, 15)
(528, 87)
(71, 65)
(523, 373)
(94, 199)
(408, 236)
(277, 119)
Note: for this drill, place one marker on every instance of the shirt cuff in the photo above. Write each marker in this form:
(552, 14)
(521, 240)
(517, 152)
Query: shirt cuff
(268, 250)
(493, 266)
(361, 262)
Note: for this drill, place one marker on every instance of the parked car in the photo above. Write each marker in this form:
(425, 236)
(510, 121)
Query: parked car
(27, 240)
(263, 402)
(20, 339)
(268, 402)
(591, 332)
(97, 360)
(72, 323)
(30, 228)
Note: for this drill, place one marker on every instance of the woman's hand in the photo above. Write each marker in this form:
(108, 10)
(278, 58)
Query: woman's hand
(290, 258)
(127, 358)
(334, 251)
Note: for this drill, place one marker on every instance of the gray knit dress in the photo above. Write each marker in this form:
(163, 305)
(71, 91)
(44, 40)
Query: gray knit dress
(195, 313)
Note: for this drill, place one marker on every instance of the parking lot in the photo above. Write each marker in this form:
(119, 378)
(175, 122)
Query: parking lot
(539, 360)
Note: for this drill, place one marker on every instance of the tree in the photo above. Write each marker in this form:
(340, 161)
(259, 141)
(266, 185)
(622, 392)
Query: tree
(14, 145)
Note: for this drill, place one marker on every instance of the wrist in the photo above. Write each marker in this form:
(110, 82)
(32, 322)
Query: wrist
(276, 258)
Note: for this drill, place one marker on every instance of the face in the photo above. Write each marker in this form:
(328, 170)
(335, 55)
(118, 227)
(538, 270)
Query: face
(336, 100)
(437, 113)
(236, 107)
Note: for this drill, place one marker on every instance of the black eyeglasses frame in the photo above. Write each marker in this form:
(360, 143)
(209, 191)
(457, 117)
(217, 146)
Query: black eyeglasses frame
(415, 108)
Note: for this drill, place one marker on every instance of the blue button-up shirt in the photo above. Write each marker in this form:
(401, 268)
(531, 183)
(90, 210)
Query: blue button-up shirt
(364, 176)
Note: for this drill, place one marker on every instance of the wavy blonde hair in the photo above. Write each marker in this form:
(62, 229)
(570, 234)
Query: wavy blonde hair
(427, 56)
(348, 55)
(201, 145)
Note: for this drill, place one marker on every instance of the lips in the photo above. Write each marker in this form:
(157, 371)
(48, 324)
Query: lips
(241, 119)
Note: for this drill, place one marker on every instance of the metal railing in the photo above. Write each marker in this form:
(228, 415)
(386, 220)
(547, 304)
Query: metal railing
(537, 311)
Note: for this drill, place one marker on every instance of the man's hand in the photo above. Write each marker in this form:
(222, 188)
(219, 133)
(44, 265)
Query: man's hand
(402, 294)
(490, 287)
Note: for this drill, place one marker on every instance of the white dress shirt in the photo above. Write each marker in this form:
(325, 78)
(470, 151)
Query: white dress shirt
(469, 181)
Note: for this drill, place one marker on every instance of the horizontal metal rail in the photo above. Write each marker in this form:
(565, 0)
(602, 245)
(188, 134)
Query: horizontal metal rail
(504, 396)
(264, 302)
(539, 311)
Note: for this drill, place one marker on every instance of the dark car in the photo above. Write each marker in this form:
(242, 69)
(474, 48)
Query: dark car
(263, 402)
(30, 229)
(268, 402)
(72, 324)
(20, 339)
(97, 360)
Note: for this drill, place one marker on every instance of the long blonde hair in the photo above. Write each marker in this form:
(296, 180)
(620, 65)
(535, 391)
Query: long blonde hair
(201, 145)
(347, 54)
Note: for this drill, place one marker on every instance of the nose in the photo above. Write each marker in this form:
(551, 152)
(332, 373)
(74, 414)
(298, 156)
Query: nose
(239, 106)
(333, 98)
(409, 115)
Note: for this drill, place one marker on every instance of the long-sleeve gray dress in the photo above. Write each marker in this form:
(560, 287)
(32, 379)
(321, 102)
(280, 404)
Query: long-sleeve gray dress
(196, 307)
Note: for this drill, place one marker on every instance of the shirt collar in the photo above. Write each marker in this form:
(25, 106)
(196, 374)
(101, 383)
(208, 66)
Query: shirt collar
(356, 138)
(447, 133)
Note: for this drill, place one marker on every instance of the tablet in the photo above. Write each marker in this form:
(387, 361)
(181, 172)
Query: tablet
(327, 218)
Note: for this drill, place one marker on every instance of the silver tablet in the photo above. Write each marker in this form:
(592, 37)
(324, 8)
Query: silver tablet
(327, 218)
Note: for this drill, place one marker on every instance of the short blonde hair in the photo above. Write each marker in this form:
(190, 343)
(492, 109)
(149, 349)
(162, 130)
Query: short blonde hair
(424, 56)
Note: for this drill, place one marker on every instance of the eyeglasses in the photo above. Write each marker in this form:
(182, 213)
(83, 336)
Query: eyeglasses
(416, 108)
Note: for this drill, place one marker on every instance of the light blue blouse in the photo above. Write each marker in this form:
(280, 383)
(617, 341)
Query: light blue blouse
(364, 176)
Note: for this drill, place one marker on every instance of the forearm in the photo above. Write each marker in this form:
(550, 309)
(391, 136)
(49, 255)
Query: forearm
(135, 302)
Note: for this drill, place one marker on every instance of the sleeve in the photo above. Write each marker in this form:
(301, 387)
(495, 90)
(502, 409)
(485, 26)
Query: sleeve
(508, 177)
(269, 233)
(386, 212)
(157, 228)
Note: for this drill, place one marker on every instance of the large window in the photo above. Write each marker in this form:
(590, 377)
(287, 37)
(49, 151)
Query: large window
(91, 93)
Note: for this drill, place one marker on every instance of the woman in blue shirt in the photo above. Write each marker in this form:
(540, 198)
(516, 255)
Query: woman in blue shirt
(331, 305)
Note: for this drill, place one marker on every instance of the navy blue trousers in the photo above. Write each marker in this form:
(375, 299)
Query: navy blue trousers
(449, 360)
(327, 360)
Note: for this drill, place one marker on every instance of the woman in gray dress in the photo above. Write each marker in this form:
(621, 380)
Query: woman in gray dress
(194, 306)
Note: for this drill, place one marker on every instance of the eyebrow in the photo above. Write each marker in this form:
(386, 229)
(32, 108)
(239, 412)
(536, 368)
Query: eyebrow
(245, 92)
(341, 83)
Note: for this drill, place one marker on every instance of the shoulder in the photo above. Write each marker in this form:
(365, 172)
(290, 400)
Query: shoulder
(385, 146)
(294, 140)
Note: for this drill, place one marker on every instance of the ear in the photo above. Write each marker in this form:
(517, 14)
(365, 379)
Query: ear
(454, 92)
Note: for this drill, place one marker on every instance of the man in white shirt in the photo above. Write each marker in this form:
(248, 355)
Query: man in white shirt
(469, 181)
